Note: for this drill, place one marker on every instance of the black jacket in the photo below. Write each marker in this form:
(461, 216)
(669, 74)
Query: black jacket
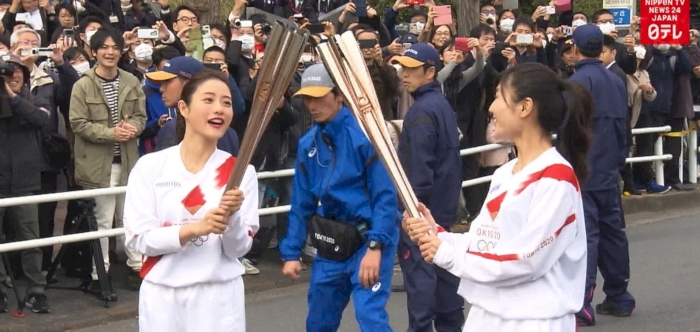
(20, 146)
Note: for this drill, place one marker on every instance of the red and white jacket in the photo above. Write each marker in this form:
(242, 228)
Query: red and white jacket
(524, 257)
(162, 196)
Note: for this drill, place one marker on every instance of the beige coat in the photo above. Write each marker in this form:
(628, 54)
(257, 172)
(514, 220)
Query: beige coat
(634, 94)
(94, 132)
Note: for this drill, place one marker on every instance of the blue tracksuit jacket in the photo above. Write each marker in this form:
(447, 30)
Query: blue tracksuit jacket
(609, 125)
(347, 178)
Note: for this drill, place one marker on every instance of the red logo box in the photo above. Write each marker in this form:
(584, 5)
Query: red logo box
(664, 22)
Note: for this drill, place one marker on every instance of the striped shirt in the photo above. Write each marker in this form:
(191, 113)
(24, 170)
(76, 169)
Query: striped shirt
(111, 91)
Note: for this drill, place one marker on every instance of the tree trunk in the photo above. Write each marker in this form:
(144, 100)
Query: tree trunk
(207, 10)
(467, 16)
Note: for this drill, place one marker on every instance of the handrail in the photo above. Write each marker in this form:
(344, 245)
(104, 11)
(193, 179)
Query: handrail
(86, 236)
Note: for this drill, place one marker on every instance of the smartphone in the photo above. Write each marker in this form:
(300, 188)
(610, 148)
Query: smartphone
(551, 10)
(405, 46)
(444, 16)
(68, 33)
(212, 66)
(246, 24)
(414, 2)
(462, 44)
(23, 17)
(360, 8)
(566, 31)
(525, 39)
(147, 33)
(42, 51)
(315, 28)
(298, 15)
(367, 43)
(563, 5)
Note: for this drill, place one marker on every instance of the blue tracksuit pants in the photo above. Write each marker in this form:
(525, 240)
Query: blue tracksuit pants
(332, 284)
(608, 250)
(431, 292)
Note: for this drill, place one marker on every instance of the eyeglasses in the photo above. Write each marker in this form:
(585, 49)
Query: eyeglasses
(187, 20)
(442, 34)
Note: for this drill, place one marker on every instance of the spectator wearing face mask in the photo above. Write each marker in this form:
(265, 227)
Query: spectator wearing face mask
(625, 51)
(505, 24)
(639, 87)
(239, 54)
(416, 19)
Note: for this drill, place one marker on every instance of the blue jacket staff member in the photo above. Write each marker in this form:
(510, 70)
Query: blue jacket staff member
(356, 226)
(429, 153)
(608, 248)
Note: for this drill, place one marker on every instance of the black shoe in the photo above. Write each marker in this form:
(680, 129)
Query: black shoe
(3, 302)
(683, 187)
(95, 288)
(398, 288)
(37, 302)
(133, 280)
(609, 309)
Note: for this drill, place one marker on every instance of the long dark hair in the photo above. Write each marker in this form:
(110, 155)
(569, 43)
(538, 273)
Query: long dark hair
(563, 108)
(188, 91)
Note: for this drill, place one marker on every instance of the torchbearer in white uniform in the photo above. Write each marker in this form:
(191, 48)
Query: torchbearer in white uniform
(190, 235)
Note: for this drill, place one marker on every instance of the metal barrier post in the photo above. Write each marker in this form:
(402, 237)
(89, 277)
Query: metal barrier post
(658, 164)
(693, 156)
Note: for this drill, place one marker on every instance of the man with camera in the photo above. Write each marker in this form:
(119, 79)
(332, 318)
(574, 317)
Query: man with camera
(21, 123)
(384, 77)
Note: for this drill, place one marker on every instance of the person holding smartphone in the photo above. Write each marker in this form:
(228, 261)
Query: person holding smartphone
(384, 77)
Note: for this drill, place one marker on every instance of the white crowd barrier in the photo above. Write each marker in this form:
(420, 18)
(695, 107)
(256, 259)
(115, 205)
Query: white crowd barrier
(657, 159)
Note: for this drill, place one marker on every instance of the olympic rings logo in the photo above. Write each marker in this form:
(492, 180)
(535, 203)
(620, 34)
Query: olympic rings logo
(200, 240)
(482, 245)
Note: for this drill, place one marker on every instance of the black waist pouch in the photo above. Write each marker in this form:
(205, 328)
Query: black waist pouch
(334, 240)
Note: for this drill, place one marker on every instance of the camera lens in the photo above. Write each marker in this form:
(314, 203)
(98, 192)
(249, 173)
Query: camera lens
(489, 21)
(237, 23)
(267, 28)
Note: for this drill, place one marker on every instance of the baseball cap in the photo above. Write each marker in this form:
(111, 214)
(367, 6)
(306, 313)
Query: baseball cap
(566, 45)
(419, 55)
(315, 82)
(588, 37)
(181, 66)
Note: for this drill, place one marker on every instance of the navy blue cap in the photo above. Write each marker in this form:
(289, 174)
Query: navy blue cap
(408, 38)
(181, 66)
(418, 55)
(588, 37)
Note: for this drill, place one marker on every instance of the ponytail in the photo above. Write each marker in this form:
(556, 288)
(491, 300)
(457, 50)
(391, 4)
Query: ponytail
(574, 137)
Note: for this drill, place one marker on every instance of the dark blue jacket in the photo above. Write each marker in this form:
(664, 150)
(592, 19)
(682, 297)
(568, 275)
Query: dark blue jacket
(609, 149)
(337, 166)
(155, 108)
(166, 138)
(429, 153)
(663, 78)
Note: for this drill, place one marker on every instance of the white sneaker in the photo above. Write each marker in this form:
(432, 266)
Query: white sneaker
(249, 268)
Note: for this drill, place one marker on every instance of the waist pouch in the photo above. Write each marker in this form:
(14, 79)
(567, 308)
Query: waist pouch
(335, 240)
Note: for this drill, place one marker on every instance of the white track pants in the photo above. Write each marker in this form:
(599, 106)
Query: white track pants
(481, 320)
(199, 308)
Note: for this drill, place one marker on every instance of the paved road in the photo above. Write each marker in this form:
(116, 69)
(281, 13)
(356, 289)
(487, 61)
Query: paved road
(665, 280)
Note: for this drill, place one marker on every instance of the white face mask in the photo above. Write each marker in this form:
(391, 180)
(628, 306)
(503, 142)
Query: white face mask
(578, 23)
(607, 28)
(663, 47)
(220, 43)
(82, 67)
(247, 42)
(143, 52)
(640, 52)
(88, 36)
(506, 25)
